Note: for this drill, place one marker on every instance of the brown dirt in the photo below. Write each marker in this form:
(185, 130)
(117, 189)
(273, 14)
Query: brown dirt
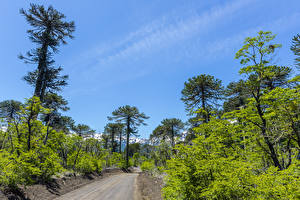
(149, 187)
(55, 188)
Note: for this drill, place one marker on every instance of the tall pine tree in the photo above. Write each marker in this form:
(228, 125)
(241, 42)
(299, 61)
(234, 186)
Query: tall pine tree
(49, 31)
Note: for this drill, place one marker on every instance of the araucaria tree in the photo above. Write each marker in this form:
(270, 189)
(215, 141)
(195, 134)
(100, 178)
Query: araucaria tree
(84, 130)
(296, 49)
(49, 31)
(237, 95)
(169, 128)
(203, 92)
(132, 118)
(9, 109)
(113, 130)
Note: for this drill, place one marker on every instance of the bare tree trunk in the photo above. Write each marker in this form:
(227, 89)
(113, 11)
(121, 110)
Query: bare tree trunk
(113, 140)
(74, 164)
(42, 67)
(127, 142)
(120, 142)
(263, 131)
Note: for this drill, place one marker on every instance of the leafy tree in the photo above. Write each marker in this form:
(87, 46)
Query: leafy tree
(256, 55)
(132, 118)
(252, 151)
(136, 159)
(216, 167)
(203, 92)
(27, 158)
(283, 111)
(49, 31)
(53, 119)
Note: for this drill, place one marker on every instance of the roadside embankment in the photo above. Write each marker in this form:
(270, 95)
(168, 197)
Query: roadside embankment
(55, 188)
(149, 187)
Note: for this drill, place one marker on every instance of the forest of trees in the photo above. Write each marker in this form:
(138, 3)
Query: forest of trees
(246, 136)
(242, 141)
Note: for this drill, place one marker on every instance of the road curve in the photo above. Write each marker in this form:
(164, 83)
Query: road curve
(116, 187)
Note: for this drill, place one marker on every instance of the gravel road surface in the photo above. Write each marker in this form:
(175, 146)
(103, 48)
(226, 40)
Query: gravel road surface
(116, 187)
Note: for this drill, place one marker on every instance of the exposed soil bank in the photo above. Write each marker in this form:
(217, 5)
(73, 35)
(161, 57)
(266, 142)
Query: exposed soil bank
(56, 187)
(149, 187)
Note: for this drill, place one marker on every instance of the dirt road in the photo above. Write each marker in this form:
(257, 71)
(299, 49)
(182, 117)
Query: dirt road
(116, 187)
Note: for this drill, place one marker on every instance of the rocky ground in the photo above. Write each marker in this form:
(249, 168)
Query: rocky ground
(149, 187)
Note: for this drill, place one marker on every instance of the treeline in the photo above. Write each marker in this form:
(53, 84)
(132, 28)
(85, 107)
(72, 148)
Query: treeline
(242, 141)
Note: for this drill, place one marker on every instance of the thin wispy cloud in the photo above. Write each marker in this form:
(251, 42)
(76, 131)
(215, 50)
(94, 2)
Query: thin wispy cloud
(157, 35)
(174, 37)
(164, 32)
(228, 46)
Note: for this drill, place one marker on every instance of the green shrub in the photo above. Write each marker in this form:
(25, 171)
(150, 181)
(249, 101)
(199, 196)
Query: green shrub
(98, 163)
(116, 159)
(85, 164)
(10, 172)
(201, 171)
(147, 166)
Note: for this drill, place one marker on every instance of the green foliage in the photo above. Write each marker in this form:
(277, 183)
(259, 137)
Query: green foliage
(85, 164)
(11, 173)
(136, 159)
(32, 151)
(147, 166)
(220, 167)
(257, 45)
(116, 159)
(252, 151)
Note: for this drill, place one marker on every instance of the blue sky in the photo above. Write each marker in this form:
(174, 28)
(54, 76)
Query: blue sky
(140, 52)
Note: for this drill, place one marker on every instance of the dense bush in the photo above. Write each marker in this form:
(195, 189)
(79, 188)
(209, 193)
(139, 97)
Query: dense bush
(252, 150)
(85, 164)
(32, 151)
(147, 166)
(207, 170)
